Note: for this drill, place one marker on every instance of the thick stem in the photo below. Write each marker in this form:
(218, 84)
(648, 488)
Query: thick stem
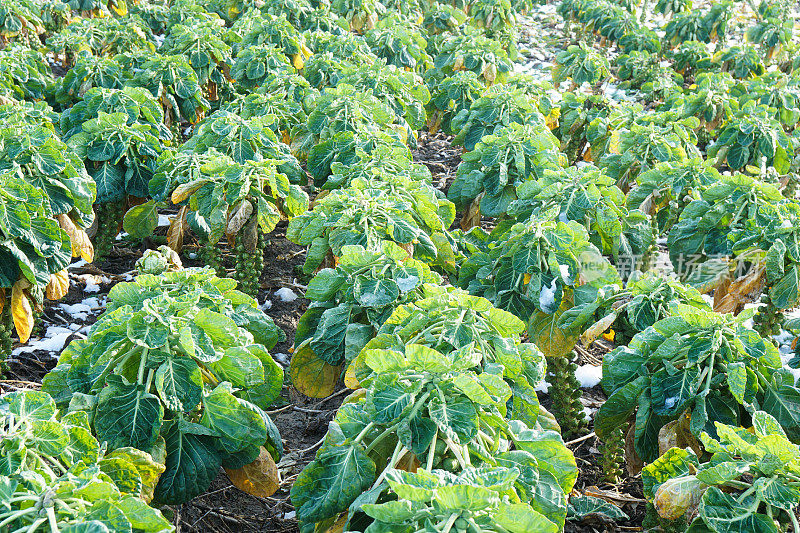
(767, 321)
(613, 450)
(6, 330)
(109, 218)
(211, 255)
(248, 265)
(565, 393)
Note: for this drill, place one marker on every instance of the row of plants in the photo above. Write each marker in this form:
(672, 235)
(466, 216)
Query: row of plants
(682, 389)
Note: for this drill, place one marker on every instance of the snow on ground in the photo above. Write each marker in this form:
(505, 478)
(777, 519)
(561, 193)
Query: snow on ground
(281, 358)
(92, 281)
(285, 294)
(81, 311)
(163, 220)
(589, 375)
(53, 341)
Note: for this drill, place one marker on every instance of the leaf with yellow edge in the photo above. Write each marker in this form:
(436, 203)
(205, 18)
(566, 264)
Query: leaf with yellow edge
(149, 468)
(21, 310)
(355, 396)
(338, 525)
(350, 379)
(544, 332)
(259, 478)
(58, 286)
(597, 328)
(120, 9)
(184, 190)
(311, 375)
(614, 143)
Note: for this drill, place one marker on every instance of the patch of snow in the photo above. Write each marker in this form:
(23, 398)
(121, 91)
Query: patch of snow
(542, 387)
(91, 287)
(79, 311)
(281, 358)
(78, 264)
(589, 375)
(267, 305)
(669, 403)
(92, 302)
(286, 294)
(163, 220)
(93, 282)
(589, 412)
(547, 296)
(54, 341)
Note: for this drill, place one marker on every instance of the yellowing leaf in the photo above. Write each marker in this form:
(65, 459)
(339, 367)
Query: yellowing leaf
(311, 375)
(3, 301)
(297, 61)
(597, 328)
(614, 143)
(350, 379)
(552, 118)
(177, 229)
(183, 191)
(338, 526)
(120, 9)
(79, 240)
(21, 310)
(544, 332)
(260, 478)
(58, 286)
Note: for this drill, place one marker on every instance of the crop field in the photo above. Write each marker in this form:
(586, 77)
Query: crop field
(399, 266)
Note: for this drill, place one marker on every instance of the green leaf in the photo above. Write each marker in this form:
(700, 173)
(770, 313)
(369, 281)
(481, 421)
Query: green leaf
(582, 507)
(127, 415)
(220, 328)
(724, 513)
(331, 482)
(179, 383)
(674, 463)
(238, 423)
(375, 293)
(520, 518)
(141, 221)
(192, 464)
